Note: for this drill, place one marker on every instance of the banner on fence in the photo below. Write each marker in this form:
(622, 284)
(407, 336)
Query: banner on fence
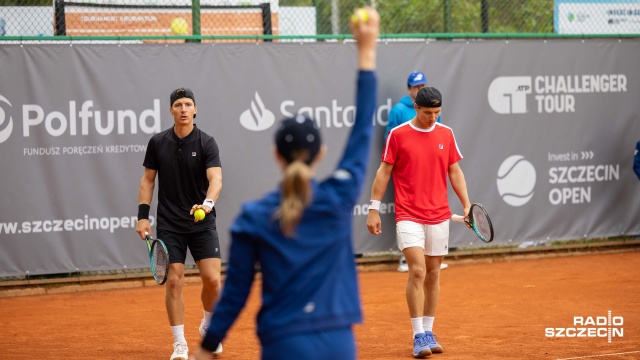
(547, 130)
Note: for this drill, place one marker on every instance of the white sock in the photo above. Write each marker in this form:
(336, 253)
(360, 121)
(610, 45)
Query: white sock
(207, 318)
(427, 322)
(416, 325)
(178, 334)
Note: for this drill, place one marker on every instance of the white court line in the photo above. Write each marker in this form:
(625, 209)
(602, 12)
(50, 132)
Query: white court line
(592, 356)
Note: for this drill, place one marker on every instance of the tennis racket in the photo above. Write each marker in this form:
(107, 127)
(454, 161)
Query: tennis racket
(159, 258)
(479, 221)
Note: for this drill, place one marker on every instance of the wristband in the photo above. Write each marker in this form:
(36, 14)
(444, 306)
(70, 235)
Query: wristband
(374, 205)
(209, 203)
(143, 211)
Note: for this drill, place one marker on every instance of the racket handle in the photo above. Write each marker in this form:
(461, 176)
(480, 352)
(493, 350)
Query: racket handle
(457, 218)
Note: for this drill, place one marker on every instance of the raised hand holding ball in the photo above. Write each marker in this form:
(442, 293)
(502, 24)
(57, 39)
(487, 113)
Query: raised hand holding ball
(360, 15)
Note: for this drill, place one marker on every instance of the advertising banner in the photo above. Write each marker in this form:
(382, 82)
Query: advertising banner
(547, 130)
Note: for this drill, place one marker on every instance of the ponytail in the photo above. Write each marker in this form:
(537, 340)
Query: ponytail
(296, 195)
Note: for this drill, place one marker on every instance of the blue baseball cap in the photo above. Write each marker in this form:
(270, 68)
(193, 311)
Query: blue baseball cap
(416, 78)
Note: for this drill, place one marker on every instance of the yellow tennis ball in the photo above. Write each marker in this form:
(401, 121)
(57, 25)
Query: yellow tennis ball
(199, 214)
(179, 26)
(360, 14)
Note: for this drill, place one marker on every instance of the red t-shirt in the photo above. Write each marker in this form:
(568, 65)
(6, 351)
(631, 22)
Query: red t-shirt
(421, 159)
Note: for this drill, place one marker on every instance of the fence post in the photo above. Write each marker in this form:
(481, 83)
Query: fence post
(266, 20)
(447, 16)
(484, 15)
(195, 19)
(61, 25)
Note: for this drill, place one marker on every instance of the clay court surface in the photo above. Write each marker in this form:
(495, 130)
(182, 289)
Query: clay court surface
(493, 310)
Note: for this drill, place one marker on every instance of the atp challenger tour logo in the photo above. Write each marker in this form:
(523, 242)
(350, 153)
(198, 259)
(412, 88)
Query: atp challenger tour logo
(78, 120)
(598, 326)
(553, 93)
(259, 118)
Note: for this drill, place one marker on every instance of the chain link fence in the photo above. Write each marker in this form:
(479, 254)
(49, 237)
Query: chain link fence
(237, 20)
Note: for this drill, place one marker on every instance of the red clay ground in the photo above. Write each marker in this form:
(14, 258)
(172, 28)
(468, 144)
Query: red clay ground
(487, 311)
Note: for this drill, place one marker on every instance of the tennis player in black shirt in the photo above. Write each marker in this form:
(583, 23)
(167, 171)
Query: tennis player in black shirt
(187, 164)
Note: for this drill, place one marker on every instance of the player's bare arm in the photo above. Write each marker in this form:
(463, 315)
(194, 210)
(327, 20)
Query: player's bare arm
(374, 224)
(145, 194)
(456, 177)
(214, 176)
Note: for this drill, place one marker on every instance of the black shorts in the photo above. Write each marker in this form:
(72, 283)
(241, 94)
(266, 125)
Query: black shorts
(203, 245)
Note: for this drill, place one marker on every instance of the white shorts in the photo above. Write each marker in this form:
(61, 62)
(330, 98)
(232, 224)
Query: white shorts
(433, 239)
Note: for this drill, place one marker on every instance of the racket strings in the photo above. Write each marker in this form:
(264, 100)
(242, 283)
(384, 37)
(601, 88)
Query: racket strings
(160, 262)
(481, 223)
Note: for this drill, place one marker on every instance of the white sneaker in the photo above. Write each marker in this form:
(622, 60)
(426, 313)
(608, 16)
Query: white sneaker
(180, 352)
(403, 267)
(203, 332)
(443, 266)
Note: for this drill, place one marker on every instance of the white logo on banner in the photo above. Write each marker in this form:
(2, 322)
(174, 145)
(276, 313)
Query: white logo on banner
(590, 327)
(552, 93)
(6, 132)
(516, 180)
(257, 118)
(508, 94)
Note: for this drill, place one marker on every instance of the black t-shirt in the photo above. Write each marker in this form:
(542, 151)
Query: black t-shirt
(182, 177)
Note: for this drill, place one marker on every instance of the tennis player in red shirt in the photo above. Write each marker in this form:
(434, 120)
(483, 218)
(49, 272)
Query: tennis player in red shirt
(420, 154)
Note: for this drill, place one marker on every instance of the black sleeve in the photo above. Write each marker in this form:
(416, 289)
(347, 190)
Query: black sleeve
(212, 157)
(151, 156)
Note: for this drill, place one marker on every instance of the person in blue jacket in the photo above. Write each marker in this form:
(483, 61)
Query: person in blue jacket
(636, 160)
(300, 237)
(404, 111)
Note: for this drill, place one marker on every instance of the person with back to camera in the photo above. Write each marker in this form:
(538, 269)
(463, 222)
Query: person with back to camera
(420, 154)
(300, 235)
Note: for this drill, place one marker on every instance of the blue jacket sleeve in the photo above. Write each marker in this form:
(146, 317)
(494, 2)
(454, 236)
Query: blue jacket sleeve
(636, 160)
(237, 286)
(356, 153)
(393, 120)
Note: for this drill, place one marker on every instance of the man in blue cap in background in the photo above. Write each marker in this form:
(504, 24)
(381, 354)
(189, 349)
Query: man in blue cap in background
(402, 112)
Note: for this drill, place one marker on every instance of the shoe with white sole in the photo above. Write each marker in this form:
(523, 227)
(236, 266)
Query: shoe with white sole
(403, 266)
(432, 340)
(180, 352)
(203, 332)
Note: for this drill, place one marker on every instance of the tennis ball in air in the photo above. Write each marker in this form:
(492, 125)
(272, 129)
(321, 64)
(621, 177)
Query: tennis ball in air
(360, 14)
(179, 26)
(199, 214)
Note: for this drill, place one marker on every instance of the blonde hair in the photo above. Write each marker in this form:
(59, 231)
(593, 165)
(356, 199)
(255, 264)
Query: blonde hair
(296, 193)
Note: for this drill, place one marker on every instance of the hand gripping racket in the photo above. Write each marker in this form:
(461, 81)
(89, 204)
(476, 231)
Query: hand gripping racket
(479, 221)
(159, 259)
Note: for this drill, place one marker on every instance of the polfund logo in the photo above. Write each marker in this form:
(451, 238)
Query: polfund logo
(79, 122)
(590, 327)
(257, 118)
(516, 180)
(5, 130)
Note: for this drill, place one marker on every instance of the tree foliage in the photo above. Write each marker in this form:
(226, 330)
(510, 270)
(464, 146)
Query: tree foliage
(427, 16)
